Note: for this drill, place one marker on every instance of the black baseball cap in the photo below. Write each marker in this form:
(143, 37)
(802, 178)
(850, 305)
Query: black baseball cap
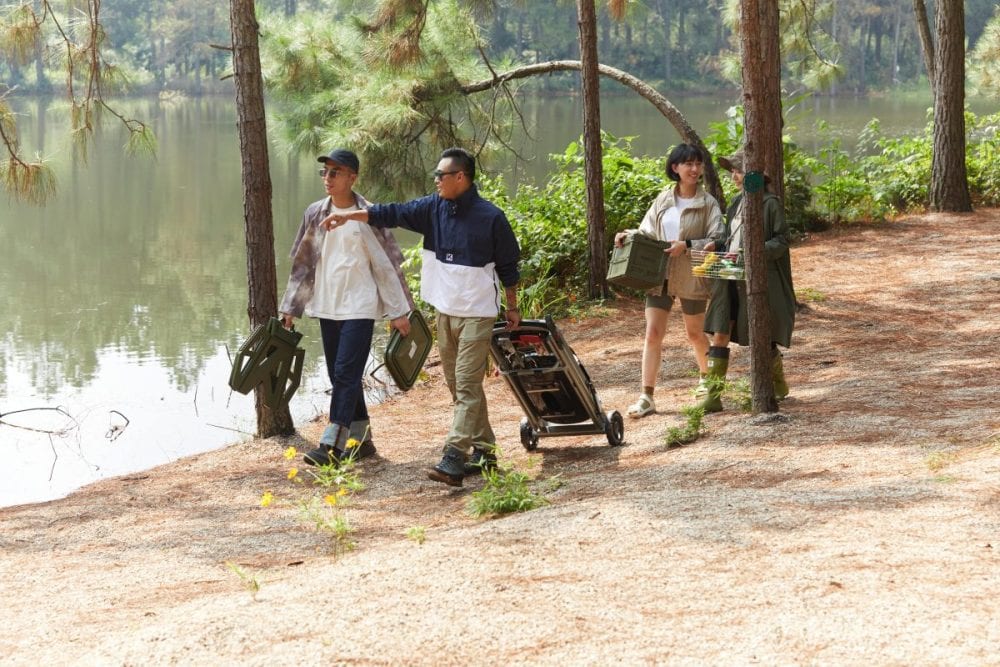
(343, 157)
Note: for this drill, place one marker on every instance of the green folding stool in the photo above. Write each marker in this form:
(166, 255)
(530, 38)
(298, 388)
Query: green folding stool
(272, 358)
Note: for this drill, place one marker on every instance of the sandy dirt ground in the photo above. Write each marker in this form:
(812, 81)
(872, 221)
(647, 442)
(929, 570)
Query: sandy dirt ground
(859, 525)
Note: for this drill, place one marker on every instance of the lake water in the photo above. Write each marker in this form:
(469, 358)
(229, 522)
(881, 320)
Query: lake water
(121, 296)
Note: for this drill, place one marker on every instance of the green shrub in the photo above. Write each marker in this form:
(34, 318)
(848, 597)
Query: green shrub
(692, 429)
(898, 170)
(506, 490)
(550, 221)
(882, 176)
(983, 159)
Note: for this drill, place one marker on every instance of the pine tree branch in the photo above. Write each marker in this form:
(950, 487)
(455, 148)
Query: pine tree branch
(643, 89)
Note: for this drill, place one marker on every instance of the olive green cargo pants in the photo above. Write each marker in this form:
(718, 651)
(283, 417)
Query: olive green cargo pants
(464, 346)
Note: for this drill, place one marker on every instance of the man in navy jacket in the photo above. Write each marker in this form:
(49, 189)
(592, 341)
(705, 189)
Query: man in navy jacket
(469, 252)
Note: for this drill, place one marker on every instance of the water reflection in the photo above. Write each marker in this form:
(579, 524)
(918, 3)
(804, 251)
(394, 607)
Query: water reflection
(124, 294)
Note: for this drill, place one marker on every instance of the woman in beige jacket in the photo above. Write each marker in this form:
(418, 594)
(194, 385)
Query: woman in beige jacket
(687, 217)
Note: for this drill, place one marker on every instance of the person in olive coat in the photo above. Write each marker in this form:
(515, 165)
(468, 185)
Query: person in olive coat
(726, 318)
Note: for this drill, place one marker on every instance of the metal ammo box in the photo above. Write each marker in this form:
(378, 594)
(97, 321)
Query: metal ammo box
(405, 356)
(640, 263)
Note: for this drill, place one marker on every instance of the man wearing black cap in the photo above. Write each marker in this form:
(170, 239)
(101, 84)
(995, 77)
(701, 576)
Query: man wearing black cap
(469, 252)
(347, 281)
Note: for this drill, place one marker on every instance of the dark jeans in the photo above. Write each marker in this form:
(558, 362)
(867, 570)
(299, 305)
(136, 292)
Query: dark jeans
(346, 344)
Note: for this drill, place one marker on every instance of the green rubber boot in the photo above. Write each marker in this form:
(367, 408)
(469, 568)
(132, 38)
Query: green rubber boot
(778, 376)
(718, 365)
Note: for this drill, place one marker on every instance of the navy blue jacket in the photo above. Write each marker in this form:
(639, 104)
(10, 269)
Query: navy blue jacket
(468, 246)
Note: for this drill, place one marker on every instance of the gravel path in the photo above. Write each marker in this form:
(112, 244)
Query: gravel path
(858, 526)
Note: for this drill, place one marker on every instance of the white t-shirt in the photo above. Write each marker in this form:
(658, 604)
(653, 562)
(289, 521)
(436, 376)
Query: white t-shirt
(670, 221)
(345, 284)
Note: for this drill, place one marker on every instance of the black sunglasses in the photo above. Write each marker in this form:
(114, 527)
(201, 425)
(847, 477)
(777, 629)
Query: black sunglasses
(332, 172)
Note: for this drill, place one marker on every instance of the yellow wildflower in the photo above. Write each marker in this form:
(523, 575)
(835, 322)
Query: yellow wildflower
(292, 473)
(341, 492)
(291, 453)
(352, 443)
(266, 499)
(330, 499)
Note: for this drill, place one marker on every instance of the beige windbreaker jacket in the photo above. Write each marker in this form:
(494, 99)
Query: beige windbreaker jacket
(701, 223)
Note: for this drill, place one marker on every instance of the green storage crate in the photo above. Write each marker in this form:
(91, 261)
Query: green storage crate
(405, 356)
(640, 263)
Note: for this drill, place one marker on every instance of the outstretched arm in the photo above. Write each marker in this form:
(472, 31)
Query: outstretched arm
(335, 220)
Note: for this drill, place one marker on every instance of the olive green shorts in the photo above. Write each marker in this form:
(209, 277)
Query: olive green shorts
(666, 302)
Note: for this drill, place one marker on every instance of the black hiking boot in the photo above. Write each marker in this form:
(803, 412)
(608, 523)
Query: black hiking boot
(450, 470)
(481, 461)
(360, 451)
(330, 449)
(323, 455)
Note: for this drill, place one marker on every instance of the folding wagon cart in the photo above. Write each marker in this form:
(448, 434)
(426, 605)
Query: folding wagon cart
(551, 384)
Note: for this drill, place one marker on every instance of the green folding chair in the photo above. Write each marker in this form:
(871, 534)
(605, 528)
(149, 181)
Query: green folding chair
(272, 358)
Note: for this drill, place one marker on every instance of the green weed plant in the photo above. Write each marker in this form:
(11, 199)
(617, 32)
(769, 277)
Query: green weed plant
(326, 518)
(810, 294)
(506, 490)
(939, 460)
(337, 476)
(248, 579)
(691, 431)
(330, 491)
(417, 533)
(738, 393)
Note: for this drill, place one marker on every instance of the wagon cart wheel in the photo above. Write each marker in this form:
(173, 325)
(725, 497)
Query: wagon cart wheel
(528, 437)
(614, 428)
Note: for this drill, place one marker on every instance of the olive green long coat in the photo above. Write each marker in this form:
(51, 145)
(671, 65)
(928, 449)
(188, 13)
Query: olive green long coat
(729, 304)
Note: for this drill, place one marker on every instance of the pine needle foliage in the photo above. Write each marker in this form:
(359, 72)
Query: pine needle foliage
(30, 182)
(75, 37)
(19, 32)
(27, 180)
(808, 51)
(344, 84)
(983, 72)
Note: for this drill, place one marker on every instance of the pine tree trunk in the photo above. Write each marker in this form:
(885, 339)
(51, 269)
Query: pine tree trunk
(252, 127)
(863, 65)
(834, 26)
(771, 115)
(949, 178)
(926, 43)
(897, 24)
(664, 8)
(592, 150)
(755, 43)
